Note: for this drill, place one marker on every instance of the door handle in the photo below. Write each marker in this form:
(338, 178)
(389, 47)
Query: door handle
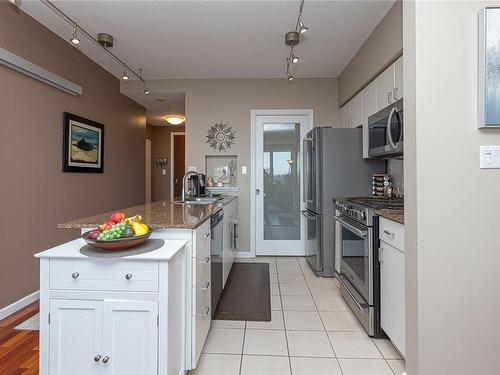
(257, 191)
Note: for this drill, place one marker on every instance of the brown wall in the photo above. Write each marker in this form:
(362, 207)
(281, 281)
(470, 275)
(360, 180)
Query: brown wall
(161, 149)
(35, 195)
(383, 46)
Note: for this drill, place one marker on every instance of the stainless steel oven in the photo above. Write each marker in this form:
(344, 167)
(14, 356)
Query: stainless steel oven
(385, 132)
(356, 269)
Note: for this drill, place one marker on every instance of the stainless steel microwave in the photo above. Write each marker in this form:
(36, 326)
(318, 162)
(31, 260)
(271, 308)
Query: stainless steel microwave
(385, 132)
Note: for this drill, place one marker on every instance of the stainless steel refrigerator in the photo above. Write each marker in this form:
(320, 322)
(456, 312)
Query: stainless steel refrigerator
(333, 167)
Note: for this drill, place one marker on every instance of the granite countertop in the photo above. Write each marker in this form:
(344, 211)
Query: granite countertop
(396, 215)
(159, 215)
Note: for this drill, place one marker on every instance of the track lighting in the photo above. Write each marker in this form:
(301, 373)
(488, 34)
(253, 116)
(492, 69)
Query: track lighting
(74, 39)
(146, 91)
(125, 76)
(303, 28)
(295, 59)
(290, 77)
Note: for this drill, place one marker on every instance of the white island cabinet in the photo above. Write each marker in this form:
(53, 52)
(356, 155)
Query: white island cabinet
(112, 316)
(392, 282)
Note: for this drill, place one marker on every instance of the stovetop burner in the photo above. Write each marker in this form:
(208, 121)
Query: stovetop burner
(378, 202)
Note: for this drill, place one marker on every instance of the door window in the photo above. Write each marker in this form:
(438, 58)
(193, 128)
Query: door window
(353, 252)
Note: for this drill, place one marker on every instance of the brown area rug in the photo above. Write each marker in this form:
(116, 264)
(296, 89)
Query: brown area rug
(247, 295)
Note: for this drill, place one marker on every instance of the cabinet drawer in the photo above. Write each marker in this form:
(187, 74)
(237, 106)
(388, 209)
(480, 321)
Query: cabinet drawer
(67, 274)
(202, 316)
(203, 240)
(392, 233)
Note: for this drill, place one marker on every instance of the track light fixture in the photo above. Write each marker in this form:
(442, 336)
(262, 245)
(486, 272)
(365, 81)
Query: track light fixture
(303, 28)
(104, 41)
(74, 39)
(292, 38)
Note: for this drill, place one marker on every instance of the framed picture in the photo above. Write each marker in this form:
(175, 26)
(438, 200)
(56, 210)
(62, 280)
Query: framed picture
(83, 144)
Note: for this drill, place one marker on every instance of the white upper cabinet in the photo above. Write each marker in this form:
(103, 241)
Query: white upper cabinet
(398, 78)
(390, 84)
(345, 115)
(369, 108)
(385, 87)
(357, 110)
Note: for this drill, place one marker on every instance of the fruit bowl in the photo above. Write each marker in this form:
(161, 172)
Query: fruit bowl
(116, 244)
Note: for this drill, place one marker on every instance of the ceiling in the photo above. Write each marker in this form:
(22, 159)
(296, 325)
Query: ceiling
(218, 39)
(159, 104)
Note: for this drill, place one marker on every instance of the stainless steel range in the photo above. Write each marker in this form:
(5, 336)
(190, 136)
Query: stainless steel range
(357, 266)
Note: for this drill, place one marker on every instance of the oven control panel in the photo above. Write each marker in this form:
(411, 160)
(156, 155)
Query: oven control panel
(351, 211)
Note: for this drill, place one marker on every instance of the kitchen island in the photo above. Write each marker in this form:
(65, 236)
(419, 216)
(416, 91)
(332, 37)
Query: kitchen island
(106, 287)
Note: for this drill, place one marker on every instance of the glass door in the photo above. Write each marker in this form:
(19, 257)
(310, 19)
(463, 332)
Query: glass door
(279, 224)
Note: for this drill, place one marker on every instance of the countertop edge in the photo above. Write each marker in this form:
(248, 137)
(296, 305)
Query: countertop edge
(392, 214)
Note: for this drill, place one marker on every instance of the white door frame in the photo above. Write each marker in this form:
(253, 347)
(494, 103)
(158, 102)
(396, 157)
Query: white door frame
(172, 135)
(309, 113)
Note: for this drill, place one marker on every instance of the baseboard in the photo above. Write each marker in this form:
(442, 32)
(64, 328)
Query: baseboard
(18, 305)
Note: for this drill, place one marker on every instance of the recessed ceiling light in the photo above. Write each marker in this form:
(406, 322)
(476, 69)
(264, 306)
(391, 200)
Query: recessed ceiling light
(175, 119)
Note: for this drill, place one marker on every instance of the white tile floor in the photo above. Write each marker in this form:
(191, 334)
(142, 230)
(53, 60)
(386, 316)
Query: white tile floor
(312, 331)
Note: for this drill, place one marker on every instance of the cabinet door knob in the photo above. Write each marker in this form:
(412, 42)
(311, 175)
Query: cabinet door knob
(105, 359)
(206, 235)
(205, 286)
(128, 276)
(74, 275)
(204, 314)
(205, 260)
(97, 358)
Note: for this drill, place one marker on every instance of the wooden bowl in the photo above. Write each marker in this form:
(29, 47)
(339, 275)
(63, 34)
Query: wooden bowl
(117, 244)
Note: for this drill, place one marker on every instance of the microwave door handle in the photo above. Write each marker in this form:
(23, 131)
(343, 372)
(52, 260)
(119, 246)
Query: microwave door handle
(389, 126)
(400, 122)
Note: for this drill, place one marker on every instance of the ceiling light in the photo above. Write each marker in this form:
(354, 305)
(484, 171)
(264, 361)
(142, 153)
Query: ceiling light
(303, 28)
(295, 59)
(290, 77)
(74, 39)
(146, 91)
(175, 119)
(125, 76)
(17, 3)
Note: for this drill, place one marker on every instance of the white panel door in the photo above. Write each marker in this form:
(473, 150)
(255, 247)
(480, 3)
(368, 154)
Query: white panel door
(356, 111)
(385, 87)
(75, 337)
(369, 108)
(279, 226)
(392, 294)
(130, 343)
(398, 79)
(345, 115)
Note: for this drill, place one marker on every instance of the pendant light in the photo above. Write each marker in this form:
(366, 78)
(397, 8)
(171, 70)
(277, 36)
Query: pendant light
(125, 76)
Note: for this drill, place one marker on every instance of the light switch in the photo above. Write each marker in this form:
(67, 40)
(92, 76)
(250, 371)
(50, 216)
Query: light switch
(243, 169)
(164, 172)
(489, 157)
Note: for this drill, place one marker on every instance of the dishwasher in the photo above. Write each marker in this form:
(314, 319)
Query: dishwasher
(216, 257)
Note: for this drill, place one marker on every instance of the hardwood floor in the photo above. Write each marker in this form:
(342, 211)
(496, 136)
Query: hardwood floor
(19, 348)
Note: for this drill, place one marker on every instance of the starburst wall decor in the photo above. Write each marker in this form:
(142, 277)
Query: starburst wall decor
(221, 136)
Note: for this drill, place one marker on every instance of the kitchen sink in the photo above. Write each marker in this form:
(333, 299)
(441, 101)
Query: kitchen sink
(198, 201)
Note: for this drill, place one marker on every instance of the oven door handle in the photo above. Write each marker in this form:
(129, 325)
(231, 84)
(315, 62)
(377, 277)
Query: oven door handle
(307, 215)
(359, 232)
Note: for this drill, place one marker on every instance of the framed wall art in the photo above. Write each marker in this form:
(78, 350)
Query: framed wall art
(83, 144)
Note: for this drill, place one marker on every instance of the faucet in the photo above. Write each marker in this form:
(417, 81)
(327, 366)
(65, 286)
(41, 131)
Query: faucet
(188, 173)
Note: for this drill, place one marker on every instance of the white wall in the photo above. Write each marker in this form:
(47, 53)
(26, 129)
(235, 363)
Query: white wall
(230, 100)
(452, 207)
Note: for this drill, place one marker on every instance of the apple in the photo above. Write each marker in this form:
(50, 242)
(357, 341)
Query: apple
(117, 217)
